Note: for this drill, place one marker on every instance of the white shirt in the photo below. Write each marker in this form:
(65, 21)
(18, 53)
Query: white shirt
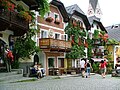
(82, 64)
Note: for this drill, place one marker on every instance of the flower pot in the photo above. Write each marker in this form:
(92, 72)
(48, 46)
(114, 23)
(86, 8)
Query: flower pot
(49, 19)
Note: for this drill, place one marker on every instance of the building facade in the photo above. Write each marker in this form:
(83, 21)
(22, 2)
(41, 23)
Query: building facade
(52, 39)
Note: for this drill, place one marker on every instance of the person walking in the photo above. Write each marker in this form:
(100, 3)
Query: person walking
(82, 66)
(102, 68)
(88, 68)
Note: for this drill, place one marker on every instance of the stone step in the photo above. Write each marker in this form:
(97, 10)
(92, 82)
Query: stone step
(14, 74)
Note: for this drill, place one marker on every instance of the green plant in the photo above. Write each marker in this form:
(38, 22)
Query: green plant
(95, 67)
(76, 35)
(20, 8)
(43, 7)
(96, 34)
(7, 5)
(24, 15)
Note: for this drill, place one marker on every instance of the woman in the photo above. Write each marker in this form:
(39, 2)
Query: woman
(88, 67)
(102, 68)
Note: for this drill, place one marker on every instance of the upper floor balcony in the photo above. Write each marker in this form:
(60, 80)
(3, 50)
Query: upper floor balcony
(10, 20)
(55, 45)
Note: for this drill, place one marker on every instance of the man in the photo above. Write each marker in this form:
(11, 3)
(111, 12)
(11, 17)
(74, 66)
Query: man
(82, 66)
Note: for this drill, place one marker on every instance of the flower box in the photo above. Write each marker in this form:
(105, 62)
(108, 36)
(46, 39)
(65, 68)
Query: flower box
(57, 21)
(49, 19)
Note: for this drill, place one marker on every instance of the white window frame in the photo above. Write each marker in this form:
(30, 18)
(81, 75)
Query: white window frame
(57, 33)
(57, 15)
(44, 31)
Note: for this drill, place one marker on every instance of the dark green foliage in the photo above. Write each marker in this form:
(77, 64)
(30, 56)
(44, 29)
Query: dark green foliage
(90, 46)
(43, 7)
(25, 46)
(96, 34)
(95, 67)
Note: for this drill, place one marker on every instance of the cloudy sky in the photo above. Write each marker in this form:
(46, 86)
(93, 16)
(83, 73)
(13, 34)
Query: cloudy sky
(110, 9)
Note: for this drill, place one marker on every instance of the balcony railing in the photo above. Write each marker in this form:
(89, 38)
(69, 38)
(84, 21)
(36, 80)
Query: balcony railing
(11, 19)
(55, 44)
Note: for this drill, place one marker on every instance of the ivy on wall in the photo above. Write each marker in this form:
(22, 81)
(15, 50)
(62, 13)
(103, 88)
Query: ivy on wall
(76, 35)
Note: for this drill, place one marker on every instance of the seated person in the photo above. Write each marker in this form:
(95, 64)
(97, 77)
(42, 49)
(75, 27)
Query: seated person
(39, 71)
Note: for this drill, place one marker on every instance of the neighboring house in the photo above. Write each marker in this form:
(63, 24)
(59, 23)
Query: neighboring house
(114, 50)
(94, 15)
(77, 15)
(52, 39)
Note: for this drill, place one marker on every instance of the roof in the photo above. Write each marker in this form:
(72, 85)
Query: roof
(61, 8)
(93, 3)
(114, 32)
(93, 19)
(33, 4)
(70, 9)
(98, 59)
(75, 10)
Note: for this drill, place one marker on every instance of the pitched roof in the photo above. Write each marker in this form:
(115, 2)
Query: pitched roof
(75, 10)
(114, 32)
(62, 9)
(92, 18)
(72, 8)
(93, 3)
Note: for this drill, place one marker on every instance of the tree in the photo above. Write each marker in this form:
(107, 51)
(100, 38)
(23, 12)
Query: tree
(24, 45)
(43, 7)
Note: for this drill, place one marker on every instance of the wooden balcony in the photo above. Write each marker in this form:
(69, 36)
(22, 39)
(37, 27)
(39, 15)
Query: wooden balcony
(55, 45)
(10, 20)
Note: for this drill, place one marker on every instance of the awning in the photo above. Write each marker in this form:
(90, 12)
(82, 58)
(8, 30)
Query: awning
(97, 59)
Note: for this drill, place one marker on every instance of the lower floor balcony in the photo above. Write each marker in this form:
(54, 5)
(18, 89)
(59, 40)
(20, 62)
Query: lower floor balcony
(55, 45)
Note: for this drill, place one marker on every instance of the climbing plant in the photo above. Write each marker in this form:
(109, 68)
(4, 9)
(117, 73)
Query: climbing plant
(76, 35)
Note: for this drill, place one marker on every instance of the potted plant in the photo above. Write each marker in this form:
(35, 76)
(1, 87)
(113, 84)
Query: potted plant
(57, 21)
(7, 5)
(49, 19)
(24, 15)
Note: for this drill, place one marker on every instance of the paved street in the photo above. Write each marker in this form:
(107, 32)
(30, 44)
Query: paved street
(96, 82)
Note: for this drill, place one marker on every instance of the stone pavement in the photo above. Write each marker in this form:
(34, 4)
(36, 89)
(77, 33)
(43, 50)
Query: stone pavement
(96, 82)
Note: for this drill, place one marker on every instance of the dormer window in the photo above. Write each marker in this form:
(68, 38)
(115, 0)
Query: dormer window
(57, 19)
(92, 26)
(97, 27)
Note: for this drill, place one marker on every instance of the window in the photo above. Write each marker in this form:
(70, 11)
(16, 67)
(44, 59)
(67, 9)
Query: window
(43, 34)
(97, 27)
(64, 37)
(56, 16)
(57, 36)
(50, 62)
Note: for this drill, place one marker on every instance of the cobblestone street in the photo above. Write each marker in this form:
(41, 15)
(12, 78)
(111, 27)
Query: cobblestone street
(96, 82)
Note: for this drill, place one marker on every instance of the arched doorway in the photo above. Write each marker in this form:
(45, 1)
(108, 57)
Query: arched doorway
(36, 58)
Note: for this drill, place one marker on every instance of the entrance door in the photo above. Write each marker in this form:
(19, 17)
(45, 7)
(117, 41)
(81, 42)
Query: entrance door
(61, 62)
(51, 62)
(36, 59)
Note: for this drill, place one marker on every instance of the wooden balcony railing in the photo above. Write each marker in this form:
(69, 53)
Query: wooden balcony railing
(10, 20)
(55, 44)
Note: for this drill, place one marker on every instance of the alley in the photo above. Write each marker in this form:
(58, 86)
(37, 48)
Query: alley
(96, 82)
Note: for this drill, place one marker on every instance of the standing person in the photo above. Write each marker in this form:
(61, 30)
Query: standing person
(102, 68)
(82, 66)
(105, 62)
(9, 59)
(88, 67)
